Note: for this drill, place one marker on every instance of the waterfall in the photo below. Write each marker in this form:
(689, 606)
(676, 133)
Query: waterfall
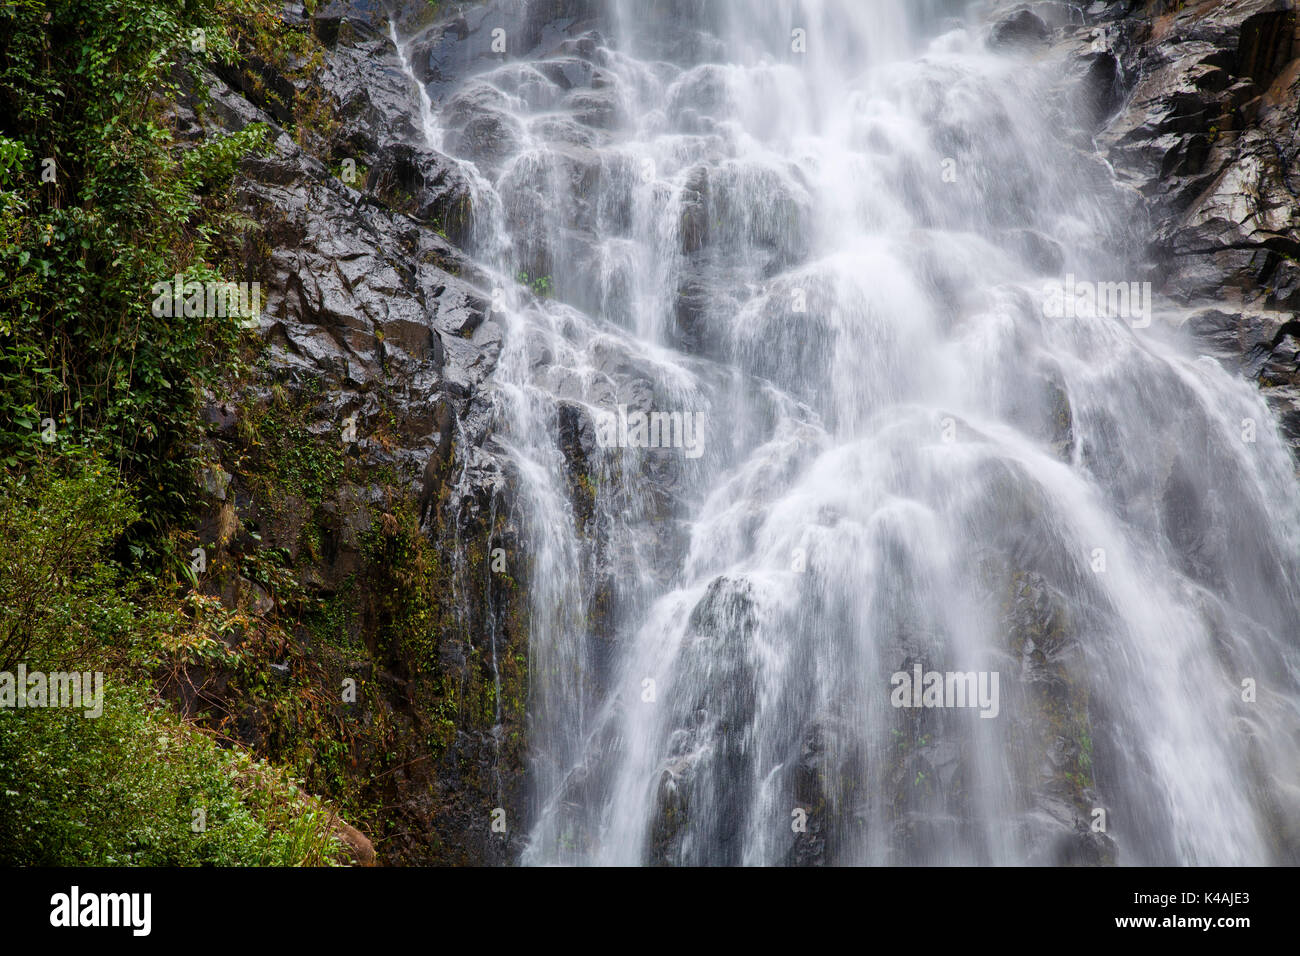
(943, 429)
(428, 121)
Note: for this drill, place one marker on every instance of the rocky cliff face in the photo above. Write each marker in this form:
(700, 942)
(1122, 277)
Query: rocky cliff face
(358, 502)
(1196, 107)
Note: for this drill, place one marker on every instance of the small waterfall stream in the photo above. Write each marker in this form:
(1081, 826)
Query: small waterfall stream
(826, 232)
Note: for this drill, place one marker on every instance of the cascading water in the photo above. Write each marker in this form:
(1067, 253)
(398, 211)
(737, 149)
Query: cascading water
(822, 230)
(428, 124)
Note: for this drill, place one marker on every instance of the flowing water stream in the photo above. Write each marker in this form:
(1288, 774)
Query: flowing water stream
(823, 231)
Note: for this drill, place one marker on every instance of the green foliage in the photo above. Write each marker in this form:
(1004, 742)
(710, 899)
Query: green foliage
(305, 464)
(100, 437)
(404, 575)
(13, 156)
(333, 620)
(285, 457)
(542, 287)
(84, 93)
(124, 788)
(57, 592)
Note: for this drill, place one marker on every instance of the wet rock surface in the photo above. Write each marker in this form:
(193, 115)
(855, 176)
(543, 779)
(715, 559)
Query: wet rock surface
(1197, 109)
(378, 345)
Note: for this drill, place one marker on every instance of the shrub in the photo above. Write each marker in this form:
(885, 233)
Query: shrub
(132, 786)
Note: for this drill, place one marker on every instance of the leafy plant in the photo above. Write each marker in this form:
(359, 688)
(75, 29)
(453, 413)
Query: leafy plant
(542, 287)
(57, 592)
(100, 202)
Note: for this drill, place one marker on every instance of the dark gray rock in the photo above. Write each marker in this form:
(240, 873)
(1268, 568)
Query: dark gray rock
(1021, 29)
(1209, 136)
(424, 185)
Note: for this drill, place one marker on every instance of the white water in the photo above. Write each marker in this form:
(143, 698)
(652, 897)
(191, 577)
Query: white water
(428, 121)
(917, 467)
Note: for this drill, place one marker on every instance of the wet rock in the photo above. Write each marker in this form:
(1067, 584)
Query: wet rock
(1042, 253)
(1084, 848)
(1021, 29)
(700, 312)
(221, 417)
(475, 38)
(370, 315)
(1209, 136)
(425, 185)
(710, 765)
(215, 482)
(1042, 409)
(694, 227)
(668, 826)
(489, 137)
